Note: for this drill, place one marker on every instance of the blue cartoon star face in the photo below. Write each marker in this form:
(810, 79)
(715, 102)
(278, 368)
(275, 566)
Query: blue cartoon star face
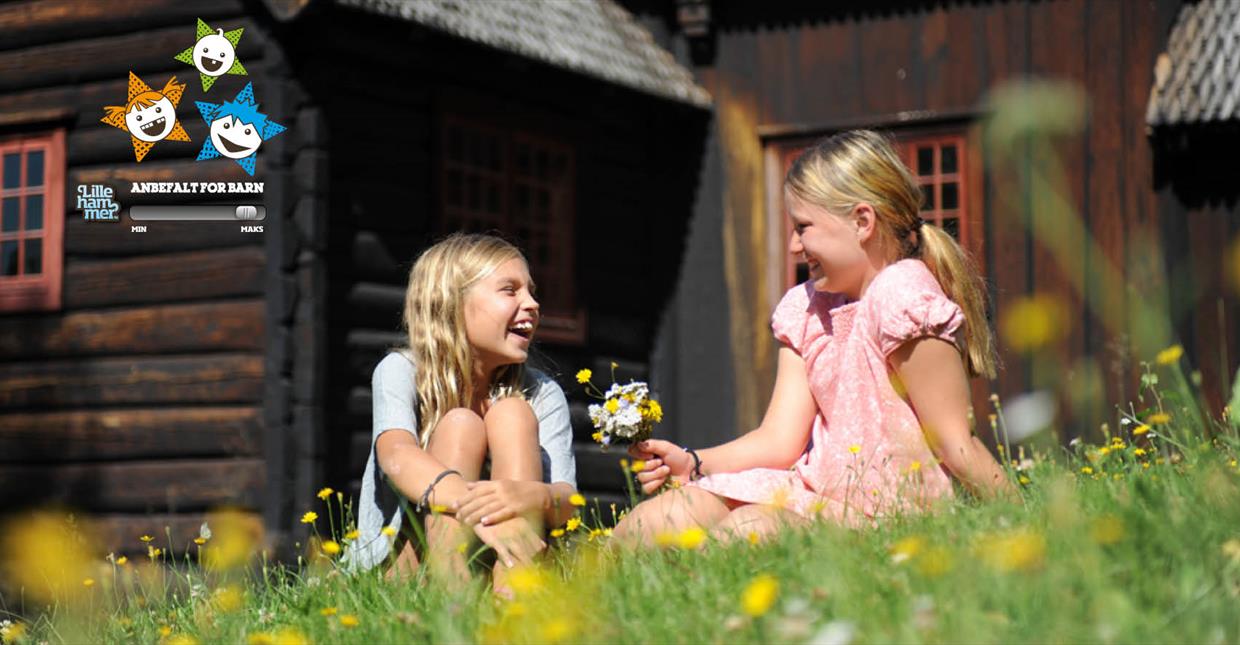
(235, 139)
(237, 128)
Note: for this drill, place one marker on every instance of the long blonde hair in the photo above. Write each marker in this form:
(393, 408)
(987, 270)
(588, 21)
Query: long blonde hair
(861, 166)
(435, 322)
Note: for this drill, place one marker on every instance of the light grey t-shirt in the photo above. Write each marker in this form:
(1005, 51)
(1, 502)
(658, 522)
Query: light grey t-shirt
(393, 396)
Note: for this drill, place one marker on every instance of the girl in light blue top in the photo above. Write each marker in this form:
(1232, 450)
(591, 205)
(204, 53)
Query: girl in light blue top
(456, 403)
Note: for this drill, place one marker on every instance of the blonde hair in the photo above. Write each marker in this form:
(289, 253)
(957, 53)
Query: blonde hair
(862, 166)
(435, 322)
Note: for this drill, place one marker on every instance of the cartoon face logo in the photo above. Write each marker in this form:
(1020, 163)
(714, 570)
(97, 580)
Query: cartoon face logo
(234, 139)
(148, 116)
(238, 129)
(214, 55)
(153, 122)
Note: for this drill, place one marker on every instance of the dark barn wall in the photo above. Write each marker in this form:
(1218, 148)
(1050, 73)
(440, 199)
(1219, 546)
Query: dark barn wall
(141, 400)
(805, 72)
(636, 161)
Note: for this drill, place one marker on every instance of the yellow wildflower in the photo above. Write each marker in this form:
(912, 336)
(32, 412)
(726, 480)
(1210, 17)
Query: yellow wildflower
(576, 499)
(328, 611)
(914, 467)
(1233, 463)
(557, 533)
(229, 599)
(330, 547)
(1140, 452)
(89, 582)
(309, 517)
(1170, 356)
(1159, 418)
(1019, 550)
(753, 537)
(652, 411)
(525, 580)
(12, 632)
(583, 376)
(1231, 549)
(907, 549)
(122, 561)
(324, 493)
(1140, 430)
(261, 638)
(612, 405)
(165, 631)
(691, 538)
(152, 552)
(352, 535)
(934, 562)
(147, 539)
(388, 531)
(574, 523)
(200, 541)
(760, 595)
(1087, 470)
(854, 449)
(597, 436)
(439, 509)
(349, 620)
(637, 466)
(181, 639)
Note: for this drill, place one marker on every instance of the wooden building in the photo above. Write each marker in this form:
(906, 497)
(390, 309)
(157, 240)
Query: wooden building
(635, 150)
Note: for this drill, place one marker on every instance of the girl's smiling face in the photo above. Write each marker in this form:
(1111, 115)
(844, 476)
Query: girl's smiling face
(501, 315)
(831, 246)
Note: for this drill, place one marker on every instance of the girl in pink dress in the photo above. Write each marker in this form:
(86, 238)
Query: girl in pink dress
(870, 412)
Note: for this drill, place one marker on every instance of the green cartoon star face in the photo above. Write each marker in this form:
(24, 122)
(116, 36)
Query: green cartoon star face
(214, 54)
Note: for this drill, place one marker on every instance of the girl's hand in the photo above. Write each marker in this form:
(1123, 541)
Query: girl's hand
(492, 502)
(515, 541)
(663, 459)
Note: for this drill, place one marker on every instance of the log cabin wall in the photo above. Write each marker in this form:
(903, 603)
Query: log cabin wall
(383, 107)
(149, 397)
(792, 73)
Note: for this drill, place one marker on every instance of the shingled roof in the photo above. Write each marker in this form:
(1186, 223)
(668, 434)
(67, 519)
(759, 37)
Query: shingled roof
(593, 37)
(1197, 80)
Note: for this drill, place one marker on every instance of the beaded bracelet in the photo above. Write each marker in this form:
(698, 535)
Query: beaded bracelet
(696, 473)
(426, 496)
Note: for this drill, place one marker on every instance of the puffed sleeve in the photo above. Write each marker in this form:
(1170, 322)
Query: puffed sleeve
(788, 322)
(906, 314)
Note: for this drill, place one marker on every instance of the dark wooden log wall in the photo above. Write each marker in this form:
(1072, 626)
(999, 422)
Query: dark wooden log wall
(141, 401)
(821, 70)
(636, 158)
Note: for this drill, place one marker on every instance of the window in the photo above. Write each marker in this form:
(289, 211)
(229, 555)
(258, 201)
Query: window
(520, 185)
(938, 163)
(31, 221)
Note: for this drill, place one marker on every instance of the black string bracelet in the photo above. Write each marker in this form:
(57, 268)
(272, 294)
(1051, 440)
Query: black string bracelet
(426, 496)
(696, 473)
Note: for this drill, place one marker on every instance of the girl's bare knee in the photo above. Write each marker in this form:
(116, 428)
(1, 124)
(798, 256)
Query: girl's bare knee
(512, 409)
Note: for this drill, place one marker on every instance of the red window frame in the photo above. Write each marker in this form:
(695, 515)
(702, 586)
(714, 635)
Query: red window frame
(521, 185)
(959, 218)
(41, 291)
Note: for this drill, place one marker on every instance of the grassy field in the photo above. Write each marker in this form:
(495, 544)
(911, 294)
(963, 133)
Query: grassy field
(1134, 538)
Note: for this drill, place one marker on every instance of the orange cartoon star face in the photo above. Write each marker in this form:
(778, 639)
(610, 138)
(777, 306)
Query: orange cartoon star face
(150, 116)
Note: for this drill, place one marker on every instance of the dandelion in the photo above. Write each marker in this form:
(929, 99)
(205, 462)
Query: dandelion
(330, 547)
(1087, 470)
(574, 523)
(753, 538)
(1140, 430)
(760, 595)
(349, 620)
(328, 611)
(577, 499)
(1170, 356)
(309, 517)
(1159, 418)
(854, 449)
(612, 406)
(557, 533)
(325, 493)
(388, 531)
(1139, 452)
(583, 376)
(691, 538)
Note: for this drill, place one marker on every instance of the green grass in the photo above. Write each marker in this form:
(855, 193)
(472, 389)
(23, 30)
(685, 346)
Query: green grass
(1144, 548)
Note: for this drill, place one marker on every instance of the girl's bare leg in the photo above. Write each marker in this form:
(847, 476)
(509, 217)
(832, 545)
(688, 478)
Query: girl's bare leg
(757, 520)
(672, 511)
(459, 442)
(512, 438)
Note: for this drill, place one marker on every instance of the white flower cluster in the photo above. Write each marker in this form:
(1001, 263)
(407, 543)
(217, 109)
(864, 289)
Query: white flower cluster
(620, 414)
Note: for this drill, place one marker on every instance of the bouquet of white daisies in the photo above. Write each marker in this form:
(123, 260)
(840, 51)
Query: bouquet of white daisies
(626, 415)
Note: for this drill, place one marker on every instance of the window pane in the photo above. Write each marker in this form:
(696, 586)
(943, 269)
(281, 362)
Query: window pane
(34, 255)
(34, 212)
(8, 257)
(951, 195)
(11, 221)
(947, 160)
(952, 226)
(925, 161)
(927, 197)
(34, 168)
(12, 170)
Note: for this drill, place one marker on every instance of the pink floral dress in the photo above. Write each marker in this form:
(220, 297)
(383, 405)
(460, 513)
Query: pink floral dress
(867, 456)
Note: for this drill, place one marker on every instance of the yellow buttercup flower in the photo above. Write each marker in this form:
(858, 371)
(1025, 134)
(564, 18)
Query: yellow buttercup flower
(349, 620)
(388, 531)
(854, 449)
(753, 538)
(352, 535)
(557, 533)
(1159, 418)
(574, 523)
(89, 582)
(330, 547)
(612, 405)
(914, 467)
(577, 499)
(1019, 550)
(691, 538)
(122, 561)
(328, 611)
(181, 639)
(1170, 356)
(200, 541)
(325, 493)
(907, 549)
(583, 376)
(1141, 429)
(147, 539)
(309, 517)
(638, 465)
(1087, 470)
(760, 595)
